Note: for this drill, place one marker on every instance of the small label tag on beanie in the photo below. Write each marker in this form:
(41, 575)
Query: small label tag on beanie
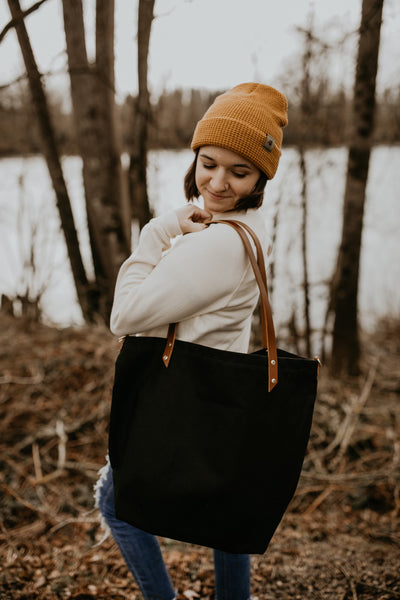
(269, 143)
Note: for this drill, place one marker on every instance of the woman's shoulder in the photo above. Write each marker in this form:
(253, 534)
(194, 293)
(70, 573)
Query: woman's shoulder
(253, 218)
(220, 241)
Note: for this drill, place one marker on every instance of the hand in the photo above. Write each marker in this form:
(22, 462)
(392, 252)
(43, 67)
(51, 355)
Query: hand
(192, 218)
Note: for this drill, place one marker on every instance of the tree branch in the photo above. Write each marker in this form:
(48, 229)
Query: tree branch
(19, 17)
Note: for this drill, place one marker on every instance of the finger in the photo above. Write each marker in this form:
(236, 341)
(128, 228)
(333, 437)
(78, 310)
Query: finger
(199, 214)
(189, 215)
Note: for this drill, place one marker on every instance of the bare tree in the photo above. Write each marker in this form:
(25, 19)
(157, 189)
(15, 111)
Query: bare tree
(52, 157)
(310, 81)
(345, 343)
(92, 92)
(138, 150)
(19, 16)
(306, 109)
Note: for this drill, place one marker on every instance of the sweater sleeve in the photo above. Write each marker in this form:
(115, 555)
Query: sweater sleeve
(197, 275)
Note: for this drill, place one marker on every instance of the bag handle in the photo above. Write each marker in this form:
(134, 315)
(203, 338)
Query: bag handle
(267, 324)
(260, 253)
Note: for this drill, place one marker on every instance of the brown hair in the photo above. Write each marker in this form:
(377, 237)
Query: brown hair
(254, 200)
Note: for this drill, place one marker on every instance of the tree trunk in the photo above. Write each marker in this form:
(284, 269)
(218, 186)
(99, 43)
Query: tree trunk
(92, 92)
(306, 282)
(115, 184)
(306, 114)
(52, 157)
(345, 343)
(138, 151)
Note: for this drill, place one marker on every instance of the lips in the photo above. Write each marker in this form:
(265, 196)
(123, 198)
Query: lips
(216, 196)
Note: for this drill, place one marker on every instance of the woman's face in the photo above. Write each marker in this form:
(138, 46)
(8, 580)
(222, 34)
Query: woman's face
(223, 177)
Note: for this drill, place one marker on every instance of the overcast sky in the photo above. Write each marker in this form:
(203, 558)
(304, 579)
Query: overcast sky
(209, 43)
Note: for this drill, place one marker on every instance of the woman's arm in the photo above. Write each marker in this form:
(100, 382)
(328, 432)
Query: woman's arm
(199, 274)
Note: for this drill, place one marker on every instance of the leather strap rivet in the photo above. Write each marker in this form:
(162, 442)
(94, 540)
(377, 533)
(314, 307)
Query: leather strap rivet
(165, 357)
(169, 344)
(273, 380)
(273, 362)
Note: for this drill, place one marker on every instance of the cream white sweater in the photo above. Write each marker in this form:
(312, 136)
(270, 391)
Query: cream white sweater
(203, 281)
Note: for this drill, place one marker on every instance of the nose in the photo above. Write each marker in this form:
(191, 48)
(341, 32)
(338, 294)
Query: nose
(218, 181)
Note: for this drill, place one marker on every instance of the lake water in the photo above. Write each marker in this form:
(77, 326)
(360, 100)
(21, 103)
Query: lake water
(28, 218)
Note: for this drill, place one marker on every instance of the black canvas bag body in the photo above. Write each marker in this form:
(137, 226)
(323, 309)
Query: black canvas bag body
(207, 445)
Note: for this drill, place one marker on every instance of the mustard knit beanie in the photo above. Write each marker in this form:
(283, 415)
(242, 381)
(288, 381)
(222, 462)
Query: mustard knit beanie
(248, 120)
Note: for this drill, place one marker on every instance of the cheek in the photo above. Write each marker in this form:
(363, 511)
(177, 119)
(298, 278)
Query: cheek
(245, 188)
(202, 177)
(252, 184)
(198, 177)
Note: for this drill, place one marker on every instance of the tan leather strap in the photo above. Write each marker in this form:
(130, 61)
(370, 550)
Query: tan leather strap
(237, 225)
(267, 325)
(260, 253)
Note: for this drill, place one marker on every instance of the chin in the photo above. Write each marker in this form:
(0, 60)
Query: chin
(215, 208)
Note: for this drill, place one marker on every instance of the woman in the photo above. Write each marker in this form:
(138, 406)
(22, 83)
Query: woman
(204, 282)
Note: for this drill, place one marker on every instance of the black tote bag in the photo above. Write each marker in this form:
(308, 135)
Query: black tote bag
(207, 445)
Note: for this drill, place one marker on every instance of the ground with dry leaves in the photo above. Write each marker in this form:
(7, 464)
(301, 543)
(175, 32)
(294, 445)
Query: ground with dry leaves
(340, 539)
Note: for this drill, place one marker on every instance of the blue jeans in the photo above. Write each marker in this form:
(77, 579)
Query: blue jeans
(142, 554)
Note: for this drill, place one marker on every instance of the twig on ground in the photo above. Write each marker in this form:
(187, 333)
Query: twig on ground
(346, 428)
(36, 462)
(319, 499)
(353, 416)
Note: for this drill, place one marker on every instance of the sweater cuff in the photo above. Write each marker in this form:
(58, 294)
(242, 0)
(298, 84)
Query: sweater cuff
(169, 223)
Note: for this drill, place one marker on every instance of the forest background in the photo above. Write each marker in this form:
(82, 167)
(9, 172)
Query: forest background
(175, 113)
(340, 538)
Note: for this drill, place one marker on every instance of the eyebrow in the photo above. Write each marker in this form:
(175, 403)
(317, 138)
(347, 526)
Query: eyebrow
(243, 165)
